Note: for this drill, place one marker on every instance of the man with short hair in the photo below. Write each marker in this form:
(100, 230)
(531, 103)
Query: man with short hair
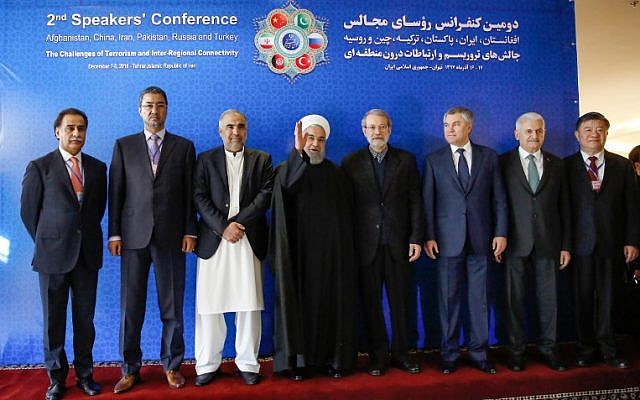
(604, 202)
(311, 251)
(64, 195)
(539, 238)
(388, 222)
(466, 225)
(232, 191)
(152, 220)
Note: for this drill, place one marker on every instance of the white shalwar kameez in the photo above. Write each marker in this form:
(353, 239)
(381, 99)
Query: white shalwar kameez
(229, 281)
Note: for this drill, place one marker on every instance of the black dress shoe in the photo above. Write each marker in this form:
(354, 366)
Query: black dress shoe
(448, 367)
(334, 373)
(55, 391)
(516, 364)
(484, 366)
(88, 386)
(408, 365)
(206, 378)
(375, 369)
(250, 378)
(552, 362)
(617, 362)
(584, 361)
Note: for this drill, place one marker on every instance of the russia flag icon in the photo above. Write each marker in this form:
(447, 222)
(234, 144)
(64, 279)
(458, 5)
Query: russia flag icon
(316, 40)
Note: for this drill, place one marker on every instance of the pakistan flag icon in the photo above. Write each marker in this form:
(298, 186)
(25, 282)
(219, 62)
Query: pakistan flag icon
(290, 41)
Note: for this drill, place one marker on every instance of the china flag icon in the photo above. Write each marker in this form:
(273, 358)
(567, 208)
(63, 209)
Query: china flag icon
(277, 61)
(278, 20)
(303, 62)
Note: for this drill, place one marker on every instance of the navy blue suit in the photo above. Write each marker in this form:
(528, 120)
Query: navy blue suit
(152, 214)
(67, 255)
(464, 223)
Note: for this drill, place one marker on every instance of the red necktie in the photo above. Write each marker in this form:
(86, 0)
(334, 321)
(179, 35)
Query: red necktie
(76, 180)
(593, 168)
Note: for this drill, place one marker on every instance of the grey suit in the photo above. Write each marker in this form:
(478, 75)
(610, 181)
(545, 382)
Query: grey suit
(152, 214)
(539, 228)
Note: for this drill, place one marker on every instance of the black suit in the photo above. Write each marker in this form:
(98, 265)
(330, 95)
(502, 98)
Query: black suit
(539, 228)
(68, 253)
(603, 223)
(152, 214)
(388, 217)
(211, 198)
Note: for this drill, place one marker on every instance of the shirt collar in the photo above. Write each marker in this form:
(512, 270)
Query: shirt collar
(379, 156)
(66, 155)
(466, 147)
(524, 154)
(160, 134)
(233, 156)
(599, 156)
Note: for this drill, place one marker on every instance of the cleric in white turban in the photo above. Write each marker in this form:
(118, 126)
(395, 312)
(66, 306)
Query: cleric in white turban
(311, 252)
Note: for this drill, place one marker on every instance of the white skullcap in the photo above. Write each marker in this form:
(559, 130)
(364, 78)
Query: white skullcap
(315, 119)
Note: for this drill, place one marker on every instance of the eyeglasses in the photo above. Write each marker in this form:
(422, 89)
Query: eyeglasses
(150, 106)
(372, 128)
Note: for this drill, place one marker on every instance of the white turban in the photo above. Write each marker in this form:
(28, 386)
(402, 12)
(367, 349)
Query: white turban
(315, 119)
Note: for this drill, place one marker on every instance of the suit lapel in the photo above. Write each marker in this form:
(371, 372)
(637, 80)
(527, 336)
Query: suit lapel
(143, 149)
(168, 144)
(220, 163)
(608, 165)
(547, 171)
(477, 158)
(247, 167)
(389, 170)
(515, 169)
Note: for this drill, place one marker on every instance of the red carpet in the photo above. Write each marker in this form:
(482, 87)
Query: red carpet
(466, 383)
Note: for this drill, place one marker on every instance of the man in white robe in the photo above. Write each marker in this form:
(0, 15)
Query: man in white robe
(232, 191)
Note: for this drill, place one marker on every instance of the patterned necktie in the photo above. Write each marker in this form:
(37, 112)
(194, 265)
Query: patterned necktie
(593, 168)
(532, 171)
(76, 178)
(463, 169)
(154, 151)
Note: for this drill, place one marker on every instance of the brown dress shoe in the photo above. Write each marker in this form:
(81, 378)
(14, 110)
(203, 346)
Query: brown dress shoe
(126, 382)
(175, 379)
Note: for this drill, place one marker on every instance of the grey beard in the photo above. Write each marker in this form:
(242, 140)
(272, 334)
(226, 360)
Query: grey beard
(315, 159)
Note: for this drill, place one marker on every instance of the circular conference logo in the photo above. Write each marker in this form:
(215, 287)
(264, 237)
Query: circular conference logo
(290, 41)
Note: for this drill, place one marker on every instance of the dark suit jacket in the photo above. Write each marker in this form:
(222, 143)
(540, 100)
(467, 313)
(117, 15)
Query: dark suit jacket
(607, 220)
(452, 214)
(62, 229)
(140, 204)
(211, 198)
(541, 219)
(398, 203)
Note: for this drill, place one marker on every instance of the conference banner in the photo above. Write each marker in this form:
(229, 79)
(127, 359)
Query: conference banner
(275, 61)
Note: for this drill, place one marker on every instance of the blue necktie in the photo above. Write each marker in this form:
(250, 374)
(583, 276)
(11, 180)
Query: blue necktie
(463, 170)
(532, 170)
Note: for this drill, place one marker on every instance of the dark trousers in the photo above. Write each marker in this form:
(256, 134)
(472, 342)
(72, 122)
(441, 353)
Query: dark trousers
(594, 300)
(81, 282)
(452, 272)
(544, 272)
(169, 268)
(395, 276)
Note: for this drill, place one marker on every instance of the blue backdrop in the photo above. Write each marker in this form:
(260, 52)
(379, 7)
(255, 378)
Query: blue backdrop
(414, 59)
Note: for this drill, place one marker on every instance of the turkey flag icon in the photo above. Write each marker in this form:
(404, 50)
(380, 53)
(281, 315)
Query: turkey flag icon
(303, 62)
